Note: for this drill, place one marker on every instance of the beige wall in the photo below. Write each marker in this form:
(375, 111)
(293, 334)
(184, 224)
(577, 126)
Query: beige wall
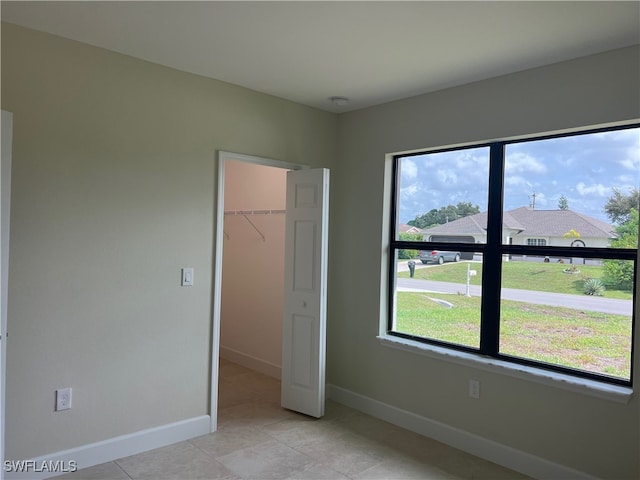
(596, 436)
(113, 192)
(253, 266)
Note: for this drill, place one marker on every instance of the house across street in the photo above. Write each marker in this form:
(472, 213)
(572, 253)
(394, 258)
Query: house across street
(528, 226)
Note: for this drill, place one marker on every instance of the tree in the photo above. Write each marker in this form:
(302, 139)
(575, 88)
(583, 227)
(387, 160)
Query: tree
(444, 215)
(571, 234)
(448, 214)
(618, 207)
(622, 210)
(563, 204)
(467, 208)
(620, 272)
(426, 219)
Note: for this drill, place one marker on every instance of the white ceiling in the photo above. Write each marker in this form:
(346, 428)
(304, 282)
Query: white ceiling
(370, 52)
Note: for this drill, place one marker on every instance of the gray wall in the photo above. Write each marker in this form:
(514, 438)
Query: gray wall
(114, 184)
(596, 436)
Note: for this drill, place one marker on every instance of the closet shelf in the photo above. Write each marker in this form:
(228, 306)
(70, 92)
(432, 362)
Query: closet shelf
(255, 212)
(246, 213)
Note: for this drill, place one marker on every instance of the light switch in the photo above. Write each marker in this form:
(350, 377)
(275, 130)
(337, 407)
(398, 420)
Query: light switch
(187, 277)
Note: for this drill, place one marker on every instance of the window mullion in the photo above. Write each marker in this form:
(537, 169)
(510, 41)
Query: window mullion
(492, 259)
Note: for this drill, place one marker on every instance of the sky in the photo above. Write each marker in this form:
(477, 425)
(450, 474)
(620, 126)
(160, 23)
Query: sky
(585, 169)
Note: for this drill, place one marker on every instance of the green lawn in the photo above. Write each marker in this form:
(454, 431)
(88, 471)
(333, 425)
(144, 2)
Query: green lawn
(544, 277)
(591, 341)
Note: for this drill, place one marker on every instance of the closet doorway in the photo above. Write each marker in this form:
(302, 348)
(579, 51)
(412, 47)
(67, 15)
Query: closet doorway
(253, 266)
(249, 269)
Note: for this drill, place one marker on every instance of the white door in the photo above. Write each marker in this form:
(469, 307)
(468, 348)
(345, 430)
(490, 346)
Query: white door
(305, 291)
(5, 196)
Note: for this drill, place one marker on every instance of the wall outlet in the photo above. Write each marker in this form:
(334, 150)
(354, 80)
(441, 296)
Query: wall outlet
(474, 388)
(63, 399)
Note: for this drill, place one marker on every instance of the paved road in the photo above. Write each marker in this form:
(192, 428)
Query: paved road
(578, 302)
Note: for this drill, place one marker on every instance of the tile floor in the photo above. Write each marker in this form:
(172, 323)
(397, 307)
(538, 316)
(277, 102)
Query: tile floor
(257, 439)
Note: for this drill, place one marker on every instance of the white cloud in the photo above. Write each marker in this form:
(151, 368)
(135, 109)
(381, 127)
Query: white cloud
(596, 189)
(628, 146)
(567, 162)
(541, 200)
(516, 181)
(470, 162)
(409, 169)
(519, 162)
(627, 181)
(631, 162)
(446, 177)
(410, 190)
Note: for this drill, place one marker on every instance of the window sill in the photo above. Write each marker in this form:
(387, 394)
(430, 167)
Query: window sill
(583, 386)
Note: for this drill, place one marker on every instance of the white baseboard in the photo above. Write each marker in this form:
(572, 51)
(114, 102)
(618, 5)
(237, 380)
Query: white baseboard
(112, 449)
(251, 362)
(504, 455)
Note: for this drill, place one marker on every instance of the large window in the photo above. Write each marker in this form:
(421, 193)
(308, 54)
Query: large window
(525, 250)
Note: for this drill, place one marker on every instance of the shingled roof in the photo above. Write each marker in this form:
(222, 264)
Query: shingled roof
(471, 225)
(530, 222)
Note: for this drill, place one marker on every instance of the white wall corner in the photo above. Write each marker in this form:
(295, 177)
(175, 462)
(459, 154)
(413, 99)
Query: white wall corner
(500, 454)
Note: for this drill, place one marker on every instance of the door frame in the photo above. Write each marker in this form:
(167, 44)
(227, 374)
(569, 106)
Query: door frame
(222, 158)
(5, 211)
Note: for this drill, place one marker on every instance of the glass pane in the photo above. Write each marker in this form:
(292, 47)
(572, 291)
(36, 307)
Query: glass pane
(442, 197)
(571, 312)
(573, 191)
(440, 300)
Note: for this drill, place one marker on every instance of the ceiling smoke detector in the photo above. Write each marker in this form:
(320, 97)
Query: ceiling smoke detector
(339, 101)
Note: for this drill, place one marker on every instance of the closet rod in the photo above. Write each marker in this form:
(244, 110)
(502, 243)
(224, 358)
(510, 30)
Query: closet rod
(255, 212)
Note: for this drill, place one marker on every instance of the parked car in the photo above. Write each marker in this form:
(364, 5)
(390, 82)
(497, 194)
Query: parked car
(439, 256)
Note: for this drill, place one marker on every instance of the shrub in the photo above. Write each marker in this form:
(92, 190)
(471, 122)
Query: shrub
(408, 254)
(593, 286)
(619, 273)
